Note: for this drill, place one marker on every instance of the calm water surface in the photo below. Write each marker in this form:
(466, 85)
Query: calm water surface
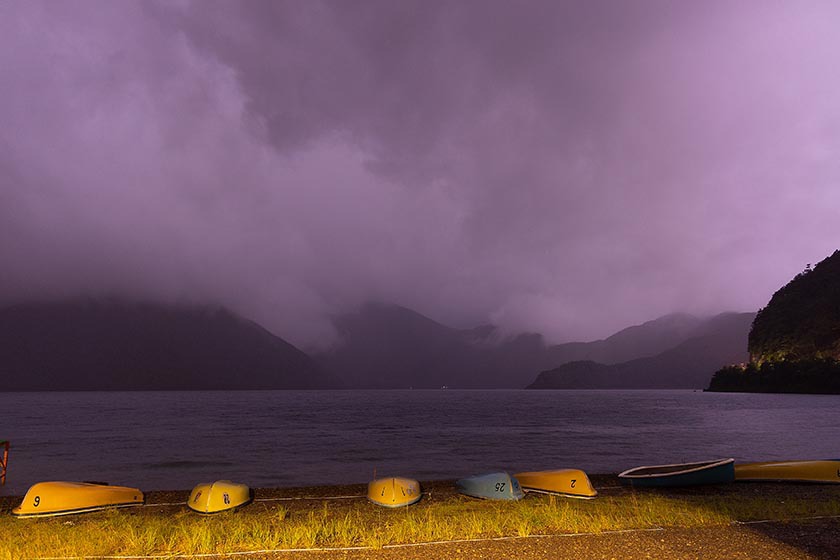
(173, 440)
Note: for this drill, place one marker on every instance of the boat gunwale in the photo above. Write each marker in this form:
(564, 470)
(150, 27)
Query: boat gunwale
(783, 464)
(549, 471)
(75, 510)
(634, 473)
(397, 505)
(528, 490)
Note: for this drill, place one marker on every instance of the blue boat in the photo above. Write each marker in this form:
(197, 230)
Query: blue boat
(493, 486)
(718, 471)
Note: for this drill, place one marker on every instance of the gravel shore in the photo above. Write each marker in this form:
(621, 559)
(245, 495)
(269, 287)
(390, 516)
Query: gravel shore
(806, 540)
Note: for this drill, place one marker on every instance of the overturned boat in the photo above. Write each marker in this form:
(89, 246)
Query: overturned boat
(718, 471)
(394, 492)
(215, 497)
(821, 472)
(47, 499)
(564, 482)
(492, 486)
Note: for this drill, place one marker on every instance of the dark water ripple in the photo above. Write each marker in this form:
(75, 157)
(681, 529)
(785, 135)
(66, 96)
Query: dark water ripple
(173, 440)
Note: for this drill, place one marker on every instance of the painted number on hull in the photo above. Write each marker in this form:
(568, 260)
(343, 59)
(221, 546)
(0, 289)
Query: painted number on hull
(500, 486)
(574, 481)
(37, 501)
(226, 498)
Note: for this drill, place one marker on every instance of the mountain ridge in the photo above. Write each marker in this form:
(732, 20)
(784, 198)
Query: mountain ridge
(688, 365)
(389, 346)
(645, 339)
(120, 345)
(794, 342)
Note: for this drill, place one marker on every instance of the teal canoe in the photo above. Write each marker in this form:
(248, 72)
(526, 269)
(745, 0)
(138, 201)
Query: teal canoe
(718, 471)
(493, 486)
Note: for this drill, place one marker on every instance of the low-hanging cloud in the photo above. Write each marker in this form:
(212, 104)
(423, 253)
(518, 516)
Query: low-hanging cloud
(565, 167)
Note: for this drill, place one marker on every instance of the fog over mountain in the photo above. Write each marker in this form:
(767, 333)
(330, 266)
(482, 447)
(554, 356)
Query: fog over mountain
(388, 346)
(115, 345)
(561, 167)
(120, 345)
(689, 364)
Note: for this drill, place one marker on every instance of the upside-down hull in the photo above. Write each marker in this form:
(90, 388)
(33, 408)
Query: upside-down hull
(683, 474)
(823, 472)
(222, 495)
(65, 498)
(394, 492)
(493, 486)
(565, 482)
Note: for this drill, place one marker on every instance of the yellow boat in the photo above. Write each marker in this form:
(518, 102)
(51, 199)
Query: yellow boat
(218, 496)
(566, 482)
(64, 498)
(792, 471)
(394, 492)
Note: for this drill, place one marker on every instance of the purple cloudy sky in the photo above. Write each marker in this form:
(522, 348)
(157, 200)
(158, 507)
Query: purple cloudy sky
(566, 167)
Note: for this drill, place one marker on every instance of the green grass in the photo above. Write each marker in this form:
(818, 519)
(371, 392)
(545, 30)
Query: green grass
(267, 525)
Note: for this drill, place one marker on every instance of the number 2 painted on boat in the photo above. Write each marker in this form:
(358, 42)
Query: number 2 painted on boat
(574, 481)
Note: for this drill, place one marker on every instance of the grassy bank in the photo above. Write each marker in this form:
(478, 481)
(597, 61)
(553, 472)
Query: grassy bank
(280, 521)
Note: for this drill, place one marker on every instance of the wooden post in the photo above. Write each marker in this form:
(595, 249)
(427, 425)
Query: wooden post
(4, 462)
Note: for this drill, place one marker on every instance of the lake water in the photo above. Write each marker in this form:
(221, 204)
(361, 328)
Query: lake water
(174, 440)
